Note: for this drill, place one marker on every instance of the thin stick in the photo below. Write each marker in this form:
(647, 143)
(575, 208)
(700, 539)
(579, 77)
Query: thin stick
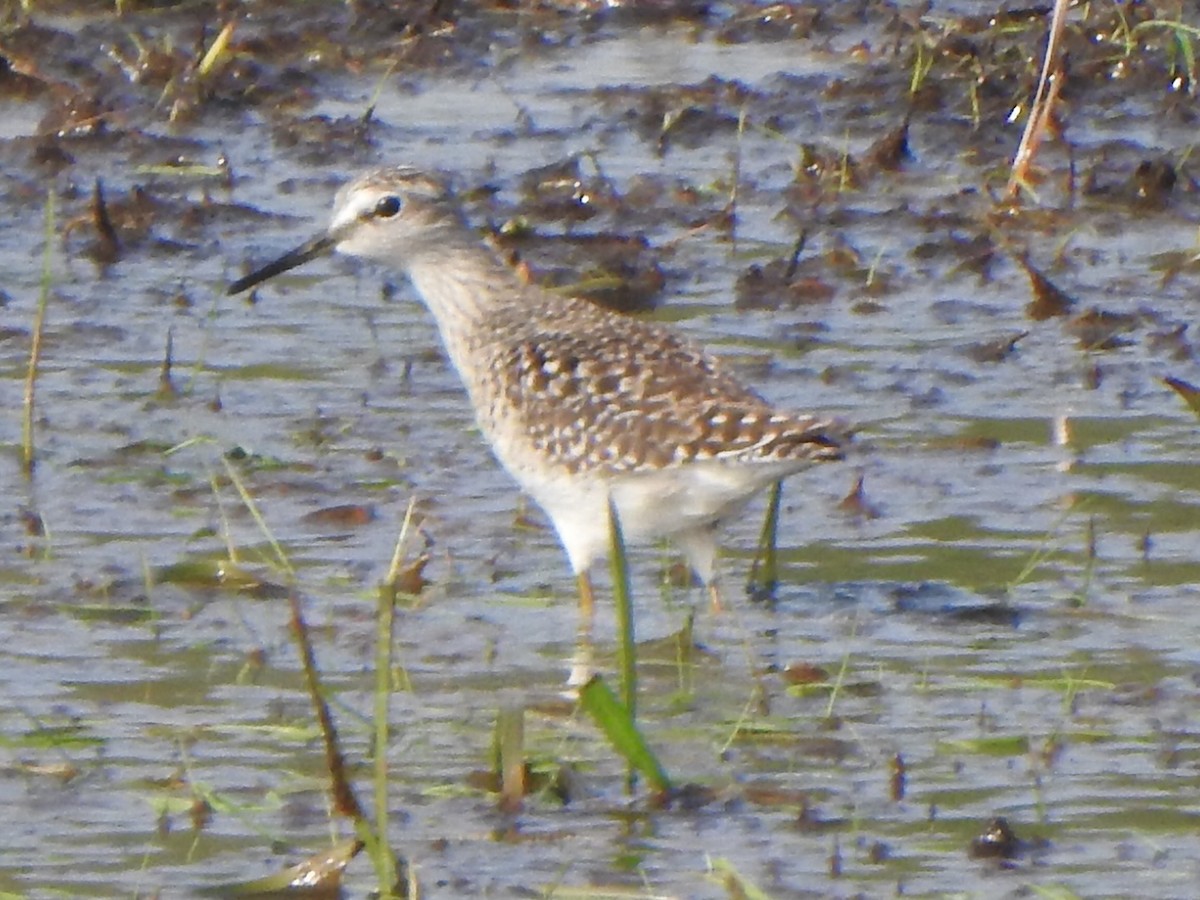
(35, 346)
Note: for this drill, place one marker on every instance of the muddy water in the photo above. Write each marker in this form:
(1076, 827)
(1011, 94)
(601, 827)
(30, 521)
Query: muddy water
(1009, 609)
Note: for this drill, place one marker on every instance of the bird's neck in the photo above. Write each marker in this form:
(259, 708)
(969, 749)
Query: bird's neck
(462, 286)
(466, 289)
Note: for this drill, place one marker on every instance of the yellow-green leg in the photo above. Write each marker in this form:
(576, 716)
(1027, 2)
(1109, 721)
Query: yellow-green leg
(587, 598)
(714, 597)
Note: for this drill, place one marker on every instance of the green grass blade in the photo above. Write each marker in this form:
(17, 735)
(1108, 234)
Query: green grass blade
(723, 872)
(618, 726)
(510, 757)
(764, 574)
(627, 647)
(383, 858)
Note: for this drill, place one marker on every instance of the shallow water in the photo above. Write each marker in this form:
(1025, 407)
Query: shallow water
(979, 636)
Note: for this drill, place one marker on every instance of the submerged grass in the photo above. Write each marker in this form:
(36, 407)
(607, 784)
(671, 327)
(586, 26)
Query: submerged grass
(1051, 547)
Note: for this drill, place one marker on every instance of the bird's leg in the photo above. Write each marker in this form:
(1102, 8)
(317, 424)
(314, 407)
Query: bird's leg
(714, 597)
(582, 668)
(582, 661)
(587, 598)
(699, 545)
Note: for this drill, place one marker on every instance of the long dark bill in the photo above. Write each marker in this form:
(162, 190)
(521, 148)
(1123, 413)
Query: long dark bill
(309, 250)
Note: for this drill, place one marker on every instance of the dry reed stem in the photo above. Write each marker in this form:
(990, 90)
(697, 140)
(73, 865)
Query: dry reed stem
(1049, 87)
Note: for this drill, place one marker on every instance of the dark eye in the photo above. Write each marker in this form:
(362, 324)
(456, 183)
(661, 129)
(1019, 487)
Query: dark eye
(387, 206)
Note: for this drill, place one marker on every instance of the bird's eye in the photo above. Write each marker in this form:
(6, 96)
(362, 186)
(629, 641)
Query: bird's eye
(387, 206)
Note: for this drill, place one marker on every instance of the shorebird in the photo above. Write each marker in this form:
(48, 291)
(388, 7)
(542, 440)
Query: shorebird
(583, 406)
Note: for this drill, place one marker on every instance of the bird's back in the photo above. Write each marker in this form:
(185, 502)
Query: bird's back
(594, 391)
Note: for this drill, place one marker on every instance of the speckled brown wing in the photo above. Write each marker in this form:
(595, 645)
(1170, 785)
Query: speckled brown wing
(624, 395)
